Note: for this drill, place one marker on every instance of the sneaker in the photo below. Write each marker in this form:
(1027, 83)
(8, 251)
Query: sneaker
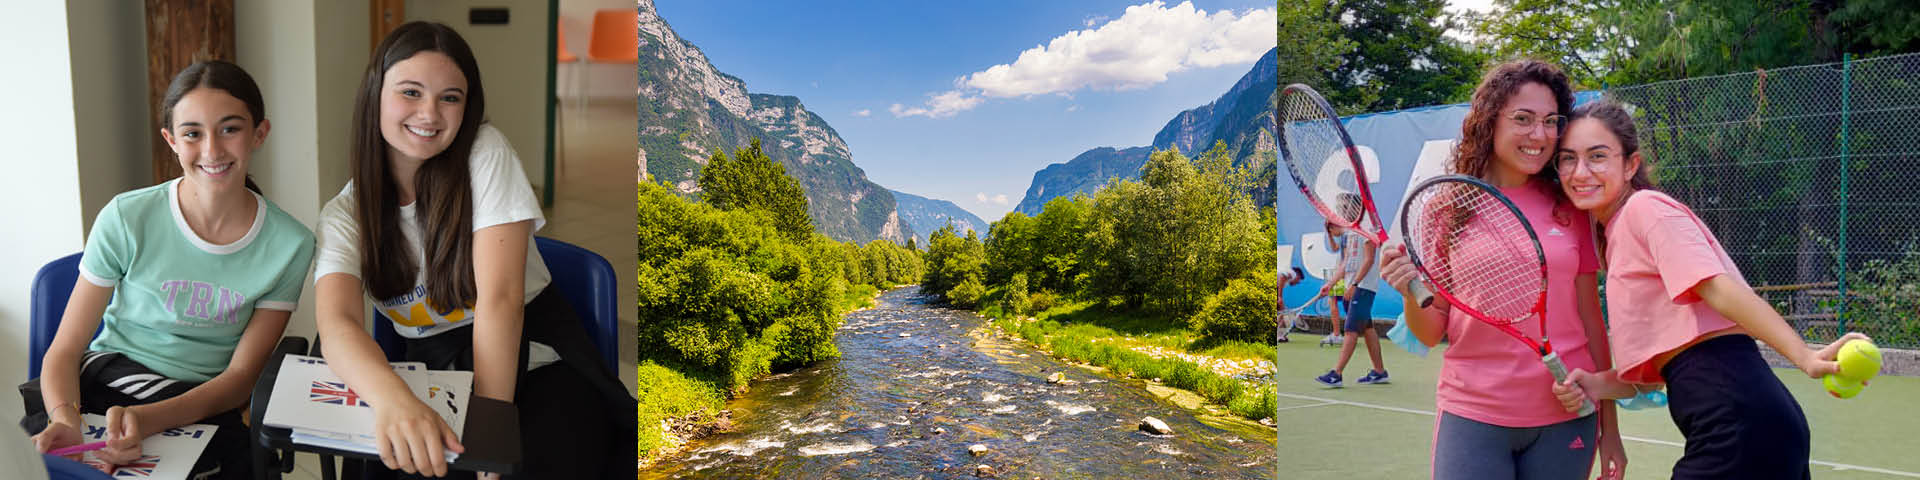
(1374, 378)
(1330, 380)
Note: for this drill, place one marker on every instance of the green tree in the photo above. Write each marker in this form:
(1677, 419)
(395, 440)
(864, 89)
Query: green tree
(952, 260)
(1402, 57)
(1311, 42)
(1178, 235)
(752, 181)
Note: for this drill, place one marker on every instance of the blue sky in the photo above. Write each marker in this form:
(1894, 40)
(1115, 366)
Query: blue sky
(938, 99)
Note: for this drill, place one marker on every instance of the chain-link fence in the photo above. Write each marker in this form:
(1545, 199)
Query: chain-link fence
(1810, 177)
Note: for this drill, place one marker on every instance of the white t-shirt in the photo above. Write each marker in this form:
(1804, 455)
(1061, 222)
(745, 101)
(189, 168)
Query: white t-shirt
(501, 195)
(1354, 253)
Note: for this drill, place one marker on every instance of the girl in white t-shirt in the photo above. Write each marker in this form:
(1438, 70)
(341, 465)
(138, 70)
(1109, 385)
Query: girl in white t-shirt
(436, 229)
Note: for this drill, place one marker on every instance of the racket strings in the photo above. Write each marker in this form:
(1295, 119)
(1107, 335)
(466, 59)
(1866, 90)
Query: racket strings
(1313, 150)
(1475, 249)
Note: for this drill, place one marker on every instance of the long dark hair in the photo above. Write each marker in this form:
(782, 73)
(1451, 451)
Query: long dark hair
(1475, 150)
(1620, 122)
(443, 188)
(218, 75)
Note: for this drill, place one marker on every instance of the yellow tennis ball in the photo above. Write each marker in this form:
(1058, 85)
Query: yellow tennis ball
(1841, 387)
(1859, 360)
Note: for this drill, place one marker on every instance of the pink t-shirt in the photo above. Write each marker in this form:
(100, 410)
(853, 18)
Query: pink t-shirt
(1650, 299)
(1491, 377)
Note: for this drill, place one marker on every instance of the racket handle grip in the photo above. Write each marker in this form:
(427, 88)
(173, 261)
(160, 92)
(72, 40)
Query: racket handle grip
(1559, 370)
(1420, 292)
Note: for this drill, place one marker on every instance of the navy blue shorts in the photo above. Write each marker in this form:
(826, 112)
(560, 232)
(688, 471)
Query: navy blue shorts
(1738, 419)
(1359, 310)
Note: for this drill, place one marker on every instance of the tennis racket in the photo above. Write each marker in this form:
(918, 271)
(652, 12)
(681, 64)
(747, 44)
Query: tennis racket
(1293, 314)
(1476, 249)
(1324, 163)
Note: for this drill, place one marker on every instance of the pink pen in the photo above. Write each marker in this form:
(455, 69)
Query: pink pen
(84, 447)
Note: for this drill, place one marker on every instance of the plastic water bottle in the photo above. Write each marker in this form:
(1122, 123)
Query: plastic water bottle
(1652, 399)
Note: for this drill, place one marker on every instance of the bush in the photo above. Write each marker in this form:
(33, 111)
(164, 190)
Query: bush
(1244, 311)
(1013, 297)
(726, 293)
(1042, 301)
(967, 294)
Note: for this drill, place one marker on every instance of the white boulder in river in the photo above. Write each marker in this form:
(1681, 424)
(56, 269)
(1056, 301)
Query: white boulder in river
(1155, 426)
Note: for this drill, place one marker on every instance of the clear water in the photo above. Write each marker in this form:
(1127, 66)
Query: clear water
(874, 412)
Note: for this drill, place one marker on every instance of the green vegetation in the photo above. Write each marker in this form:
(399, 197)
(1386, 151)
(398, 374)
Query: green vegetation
(666, 394)
(1179, 260)
(1101, 347)
(729, 294)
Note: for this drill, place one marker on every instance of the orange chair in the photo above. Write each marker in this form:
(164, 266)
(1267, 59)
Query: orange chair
(615, 38)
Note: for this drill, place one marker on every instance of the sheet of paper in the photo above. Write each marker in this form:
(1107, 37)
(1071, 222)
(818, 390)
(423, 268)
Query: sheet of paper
(309, 399)
(168, 455)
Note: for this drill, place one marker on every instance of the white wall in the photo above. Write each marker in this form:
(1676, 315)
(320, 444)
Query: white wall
(43, 216)
(109, 45)
(513, 69)
(274, 42)
(600, 80)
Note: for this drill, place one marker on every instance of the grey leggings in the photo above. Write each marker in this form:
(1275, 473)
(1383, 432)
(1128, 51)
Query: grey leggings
(1466, 449)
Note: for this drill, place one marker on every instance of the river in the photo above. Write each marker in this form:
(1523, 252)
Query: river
(917, 384)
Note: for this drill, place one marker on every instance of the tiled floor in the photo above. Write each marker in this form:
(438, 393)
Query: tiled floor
(592, 207)
(593, 199)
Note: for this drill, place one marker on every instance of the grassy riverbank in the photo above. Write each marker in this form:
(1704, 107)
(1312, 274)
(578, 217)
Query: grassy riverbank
(679, 404)
(1143, 346)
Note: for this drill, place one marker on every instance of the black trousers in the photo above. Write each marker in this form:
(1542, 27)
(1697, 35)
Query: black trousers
(576, 416)
(109, 379)
(1738, 419)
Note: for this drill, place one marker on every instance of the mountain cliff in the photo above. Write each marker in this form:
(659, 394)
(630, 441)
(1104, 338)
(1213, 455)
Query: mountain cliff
(689, 110)
(1242, 117)
(926, 215)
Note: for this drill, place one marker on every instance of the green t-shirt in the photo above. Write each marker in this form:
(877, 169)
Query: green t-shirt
(181, 303)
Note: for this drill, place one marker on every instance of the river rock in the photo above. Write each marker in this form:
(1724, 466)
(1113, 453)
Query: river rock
(977, 449)
(939, 430)
(1056, 377)
(1155, 426)
(983, 470)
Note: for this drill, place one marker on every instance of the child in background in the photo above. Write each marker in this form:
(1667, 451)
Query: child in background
(1334, 289)
(1356, 266)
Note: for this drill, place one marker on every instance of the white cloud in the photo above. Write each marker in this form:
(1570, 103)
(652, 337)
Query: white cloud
(939, 105)
(982, 198)
(864, 112)
(1073, 108)
(1096, 20)
(1138, 50)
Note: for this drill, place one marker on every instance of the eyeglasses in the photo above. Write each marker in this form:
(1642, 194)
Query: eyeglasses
(1526, 120)
(1597, 162)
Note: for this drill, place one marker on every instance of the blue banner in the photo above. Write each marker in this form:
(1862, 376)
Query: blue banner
(1399, 149)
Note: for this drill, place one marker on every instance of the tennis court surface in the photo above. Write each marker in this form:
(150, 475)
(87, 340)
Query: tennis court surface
(1385, 431)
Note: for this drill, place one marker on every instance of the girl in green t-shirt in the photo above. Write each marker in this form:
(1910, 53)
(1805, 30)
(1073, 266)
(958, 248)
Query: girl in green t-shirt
(190, 284)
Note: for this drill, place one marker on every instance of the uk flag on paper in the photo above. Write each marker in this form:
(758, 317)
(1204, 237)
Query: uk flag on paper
(180, 446)
(334, 393)
(140, 468)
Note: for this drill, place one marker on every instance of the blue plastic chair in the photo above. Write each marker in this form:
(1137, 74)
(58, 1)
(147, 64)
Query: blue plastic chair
(583, 277)
(51, 287)
(63, 469)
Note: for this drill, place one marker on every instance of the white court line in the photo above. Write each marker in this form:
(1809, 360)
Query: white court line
(1833, 465)
(1321, 404)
